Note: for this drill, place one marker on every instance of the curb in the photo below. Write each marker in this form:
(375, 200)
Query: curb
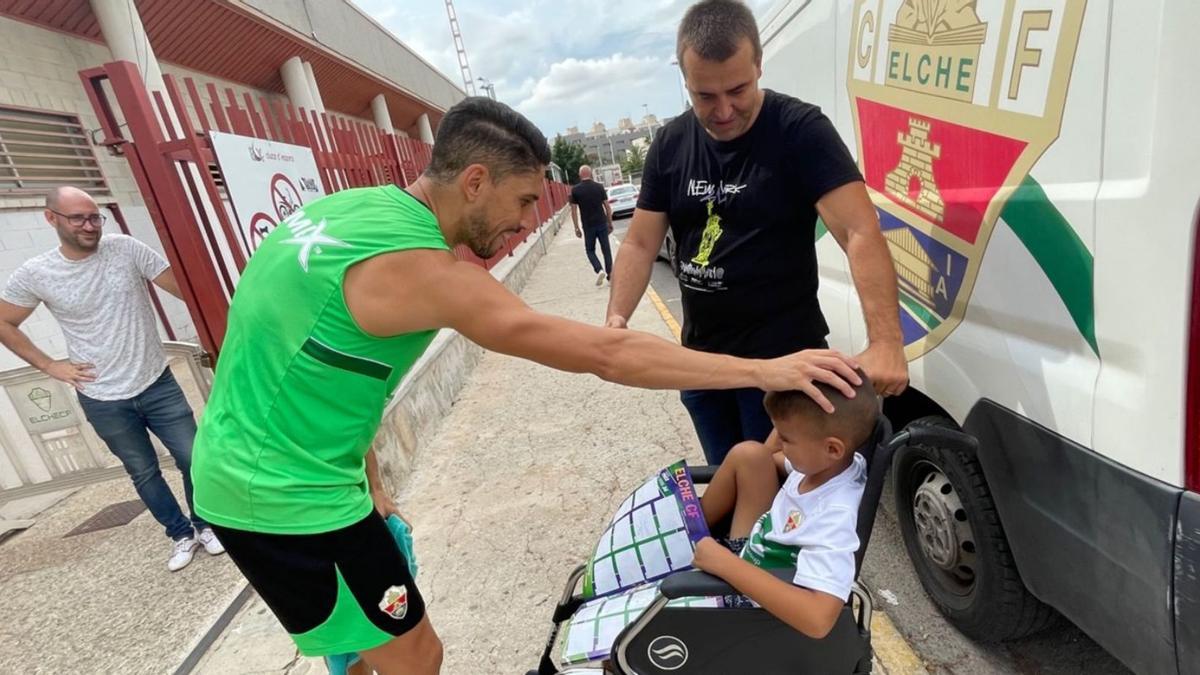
(893, 652)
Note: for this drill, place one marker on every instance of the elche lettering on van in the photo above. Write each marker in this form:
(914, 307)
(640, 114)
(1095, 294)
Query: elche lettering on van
(953, 102)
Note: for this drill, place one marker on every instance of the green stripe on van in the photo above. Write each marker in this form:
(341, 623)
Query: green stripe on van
(355, 364)
(927, 317)
(1060, 253)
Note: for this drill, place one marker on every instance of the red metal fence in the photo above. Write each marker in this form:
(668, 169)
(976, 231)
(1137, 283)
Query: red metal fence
(166, 140)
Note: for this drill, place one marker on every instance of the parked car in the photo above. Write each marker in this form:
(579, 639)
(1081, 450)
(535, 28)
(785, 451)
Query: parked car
(622, 199)
(667, 252)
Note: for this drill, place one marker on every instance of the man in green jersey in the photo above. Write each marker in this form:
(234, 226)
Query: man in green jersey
(331, 312)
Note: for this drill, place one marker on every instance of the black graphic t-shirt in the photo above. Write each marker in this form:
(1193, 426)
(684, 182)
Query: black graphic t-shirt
(590, 197)
(743, 213)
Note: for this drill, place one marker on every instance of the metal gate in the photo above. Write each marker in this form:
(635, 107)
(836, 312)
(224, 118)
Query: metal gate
(167, 144)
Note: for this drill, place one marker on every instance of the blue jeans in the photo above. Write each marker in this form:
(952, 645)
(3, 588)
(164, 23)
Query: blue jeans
(724, 418)
(123, 424)
(591, 235)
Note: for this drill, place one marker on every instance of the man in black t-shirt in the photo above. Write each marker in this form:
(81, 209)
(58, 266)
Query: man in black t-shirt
(740, 181)
(590, 200)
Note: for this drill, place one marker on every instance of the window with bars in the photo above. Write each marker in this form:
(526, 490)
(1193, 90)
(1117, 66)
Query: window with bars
(42, 149)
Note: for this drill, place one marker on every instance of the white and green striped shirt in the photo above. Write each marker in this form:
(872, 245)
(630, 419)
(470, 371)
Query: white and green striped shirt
(813, 532)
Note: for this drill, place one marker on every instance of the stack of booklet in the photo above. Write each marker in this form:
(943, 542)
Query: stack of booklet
(652, 535)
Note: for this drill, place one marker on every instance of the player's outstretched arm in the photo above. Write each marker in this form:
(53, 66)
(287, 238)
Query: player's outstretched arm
(422, 290)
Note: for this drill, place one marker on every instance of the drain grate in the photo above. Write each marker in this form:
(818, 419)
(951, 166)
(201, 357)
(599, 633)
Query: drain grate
(113, 515)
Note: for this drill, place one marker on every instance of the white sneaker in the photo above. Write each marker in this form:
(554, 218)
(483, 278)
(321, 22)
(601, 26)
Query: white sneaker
(600, 276)
(209, 539)
(181, 553)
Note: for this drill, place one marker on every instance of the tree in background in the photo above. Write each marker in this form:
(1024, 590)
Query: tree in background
(569, 157)
(635, 160)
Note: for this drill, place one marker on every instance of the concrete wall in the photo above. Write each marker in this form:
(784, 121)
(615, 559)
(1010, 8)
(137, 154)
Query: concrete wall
(345, 29)
(34, 446)
(39, 70)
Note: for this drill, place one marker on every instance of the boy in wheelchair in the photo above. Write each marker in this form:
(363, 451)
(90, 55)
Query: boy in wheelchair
(807, 523)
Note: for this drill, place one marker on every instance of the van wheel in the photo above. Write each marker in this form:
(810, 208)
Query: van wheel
(954, 538)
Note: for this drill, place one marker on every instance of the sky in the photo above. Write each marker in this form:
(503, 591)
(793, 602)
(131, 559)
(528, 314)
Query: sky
(563, 63)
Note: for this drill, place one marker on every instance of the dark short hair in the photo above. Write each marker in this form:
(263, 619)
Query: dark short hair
(478, 130)
(714, 29)
(853, 419)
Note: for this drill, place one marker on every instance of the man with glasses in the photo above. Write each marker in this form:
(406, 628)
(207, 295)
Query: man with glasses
(95, 288)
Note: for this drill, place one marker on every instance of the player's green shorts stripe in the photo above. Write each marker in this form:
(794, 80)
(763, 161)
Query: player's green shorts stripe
(354, 364)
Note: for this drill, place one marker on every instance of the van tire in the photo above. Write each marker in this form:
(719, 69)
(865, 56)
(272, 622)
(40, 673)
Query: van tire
(965, 566)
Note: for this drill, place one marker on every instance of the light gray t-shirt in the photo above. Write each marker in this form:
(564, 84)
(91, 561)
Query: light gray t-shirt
(103, 307)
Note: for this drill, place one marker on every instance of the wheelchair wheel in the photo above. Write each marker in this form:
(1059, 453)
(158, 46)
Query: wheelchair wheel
(957, 545)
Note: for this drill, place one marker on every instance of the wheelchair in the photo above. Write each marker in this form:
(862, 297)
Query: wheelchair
(677, 640)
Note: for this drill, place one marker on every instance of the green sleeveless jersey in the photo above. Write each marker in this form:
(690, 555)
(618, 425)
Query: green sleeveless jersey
(300, 388)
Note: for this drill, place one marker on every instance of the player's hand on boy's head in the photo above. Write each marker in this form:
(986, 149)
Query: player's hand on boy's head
(708, 554)
(887, 367)
(801, 370)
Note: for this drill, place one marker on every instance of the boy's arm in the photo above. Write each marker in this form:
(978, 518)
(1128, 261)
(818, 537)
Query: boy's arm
(811, 612)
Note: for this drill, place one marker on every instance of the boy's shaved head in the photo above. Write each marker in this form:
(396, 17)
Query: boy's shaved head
(853, 419)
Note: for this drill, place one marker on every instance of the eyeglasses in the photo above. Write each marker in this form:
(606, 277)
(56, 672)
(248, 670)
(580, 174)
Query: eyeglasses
(78, 219)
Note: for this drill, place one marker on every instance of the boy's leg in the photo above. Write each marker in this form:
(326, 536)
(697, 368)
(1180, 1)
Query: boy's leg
(745, 486)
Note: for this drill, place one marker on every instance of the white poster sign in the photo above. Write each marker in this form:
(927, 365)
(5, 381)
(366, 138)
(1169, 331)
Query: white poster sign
(266, 182)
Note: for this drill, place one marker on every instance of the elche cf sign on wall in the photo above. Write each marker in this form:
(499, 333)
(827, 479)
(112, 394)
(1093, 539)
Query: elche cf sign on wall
(266, 182)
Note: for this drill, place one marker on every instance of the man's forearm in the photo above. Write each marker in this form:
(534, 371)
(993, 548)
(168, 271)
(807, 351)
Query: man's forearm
(19, 343)
(631, 275)
(643, 360)
(575, 216)
(875, 278)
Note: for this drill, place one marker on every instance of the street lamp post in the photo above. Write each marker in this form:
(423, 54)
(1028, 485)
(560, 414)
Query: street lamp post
(646, 119)
(682, 98)
(488, 87)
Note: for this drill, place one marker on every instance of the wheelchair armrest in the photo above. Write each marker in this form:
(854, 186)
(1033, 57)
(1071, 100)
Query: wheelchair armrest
(702, 475)
(697, 584)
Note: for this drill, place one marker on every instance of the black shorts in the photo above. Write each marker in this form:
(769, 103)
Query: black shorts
(337, 592)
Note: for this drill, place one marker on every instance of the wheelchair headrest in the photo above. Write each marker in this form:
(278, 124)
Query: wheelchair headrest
(877, 452)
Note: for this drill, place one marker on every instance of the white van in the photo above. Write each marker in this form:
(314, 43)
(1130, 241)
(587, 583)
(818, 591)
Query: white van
(1036, 167)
